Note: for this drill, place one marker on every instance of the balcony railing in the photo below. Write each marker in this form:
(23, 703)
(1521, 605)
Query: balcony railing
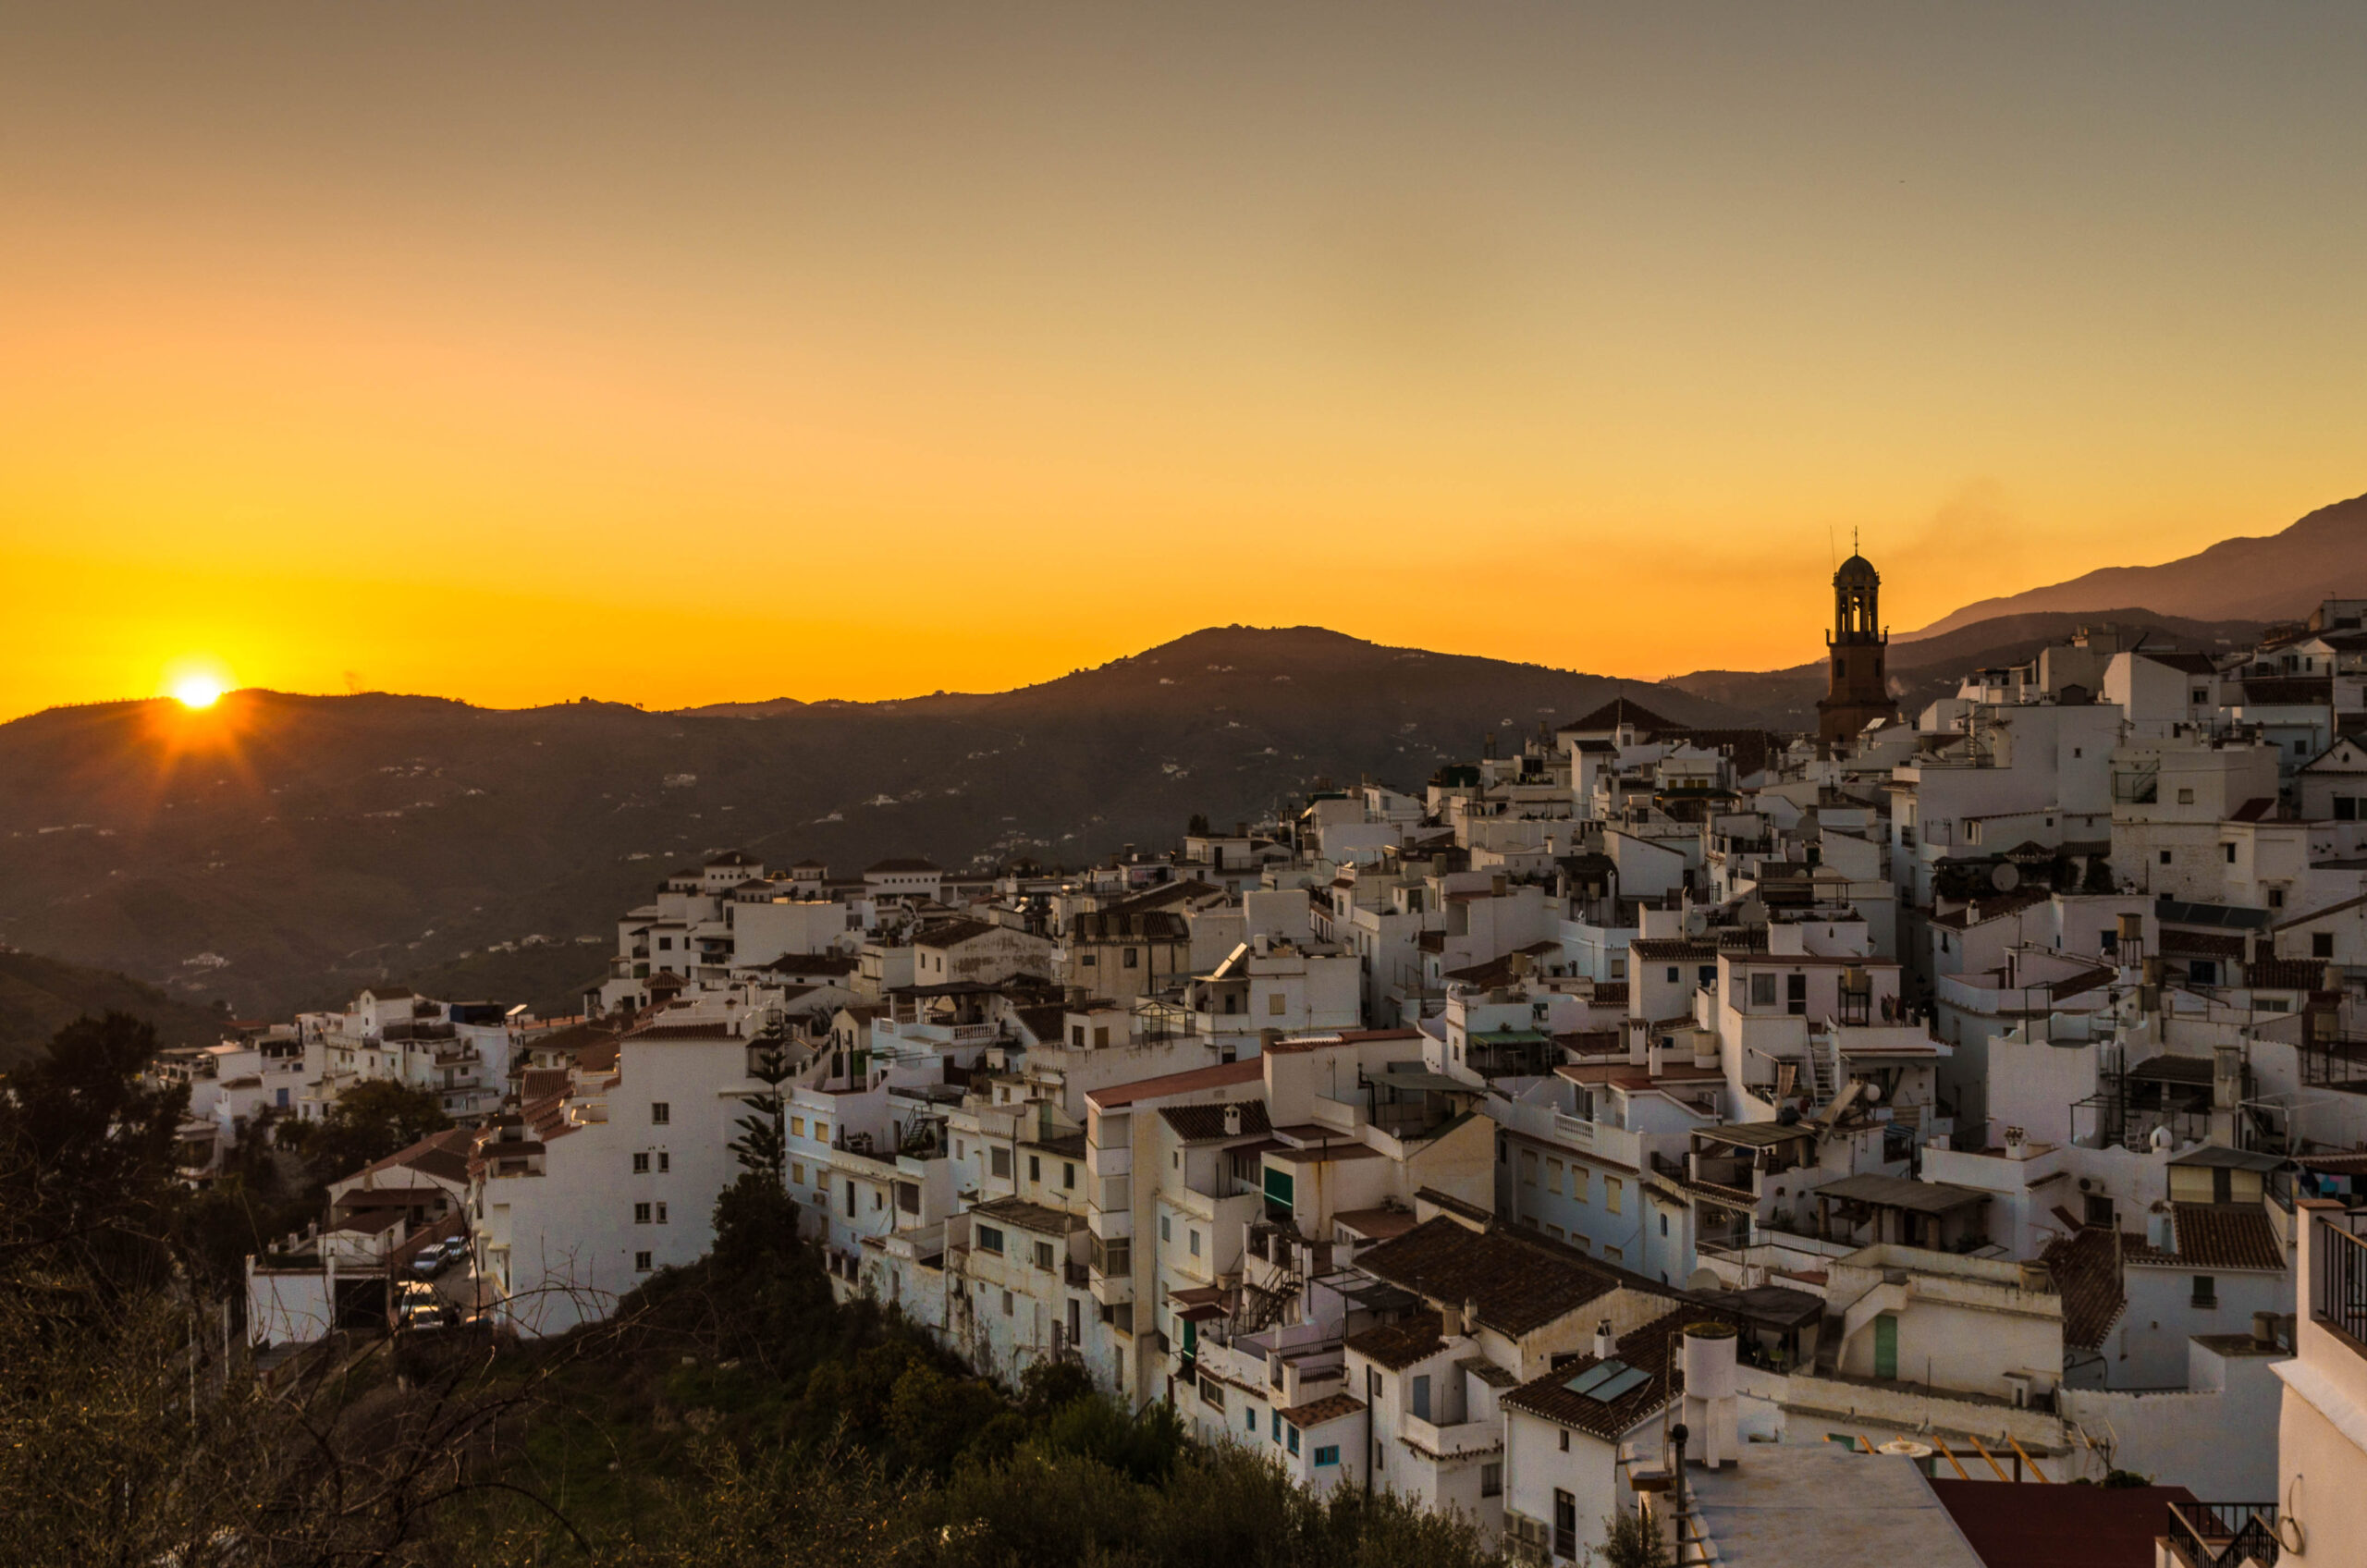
(2341, 1283)
(2223, 1534)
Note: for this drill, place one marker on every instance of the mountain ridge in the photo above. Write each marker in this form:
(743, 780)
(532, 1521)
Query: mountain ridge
(2252, 577)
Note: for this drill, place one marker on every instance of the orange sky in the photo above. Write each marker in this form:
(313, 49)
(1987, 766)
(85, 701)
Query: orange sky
(705, 352)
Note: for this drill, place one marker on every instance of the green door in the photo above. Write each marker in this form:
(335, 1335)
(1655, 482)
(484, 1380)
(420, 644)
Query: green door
(1886, 1345)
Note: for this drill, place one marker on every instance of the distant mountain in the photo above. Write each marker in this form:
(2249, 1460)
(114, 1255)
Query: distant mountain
(40, 996)
(1933, 666)
(2279, 577)
(279, 851)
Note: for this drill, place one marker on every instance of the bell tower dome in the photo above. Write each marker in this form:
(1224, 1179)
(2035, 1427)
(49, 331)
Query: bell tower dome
(1859, 647)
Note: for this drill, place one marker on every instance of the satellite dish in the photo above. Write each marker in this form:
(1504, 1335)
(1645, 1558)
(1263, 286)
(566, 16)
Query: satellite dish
(1902, 1445)
(2005, 877)
(1704, 1280)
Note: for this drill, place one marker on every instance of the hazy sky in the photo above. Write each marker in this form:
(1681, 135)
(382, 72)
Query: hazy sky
(679, 352)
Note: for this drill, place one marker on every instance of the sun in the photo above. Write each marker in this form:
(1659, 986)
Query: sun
(198, 690)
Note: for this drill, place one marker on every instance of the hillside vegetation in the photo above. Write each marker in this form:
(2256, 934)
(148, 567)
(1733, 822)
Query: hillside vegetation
(315, 844)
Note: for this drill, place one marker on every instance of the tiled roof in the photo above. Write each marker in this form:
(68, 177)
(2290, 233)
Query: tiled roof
(949, 932)
(444, 1155)
(2285, 973)
(1329, 1408)
(2289, 692)
(1223, 1076)
(816, 963)
(1645, 1349)
(2087, 1276)
(1664, 948)
(2202, 944)
(1515, 1285)
(1201, 1123)
(1998, 907)
(1400, 1344)
(1613, 714)
(2226, 1235)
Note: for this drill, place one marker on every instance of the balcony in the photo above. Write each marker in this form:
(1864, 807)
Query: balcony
(2223, 1534)
(2340, 1288)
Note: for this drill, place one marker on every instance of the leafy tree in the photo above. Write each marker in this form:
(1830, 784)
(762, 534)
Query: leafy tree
(86, 1150)
(1632, 1541)
(368, 1122)
(1198, 825)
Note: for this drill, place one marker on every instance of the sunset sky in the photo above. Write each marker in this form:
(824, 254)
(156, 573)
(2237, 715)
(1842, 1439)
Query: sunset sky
(688, 352)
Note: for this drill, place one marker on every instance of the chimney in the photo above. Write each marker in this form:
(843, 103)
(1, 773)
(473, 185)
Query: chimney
(2017, 1144)
(1449, 1320)
(1497, 883)
(1233, 1122)
(1606, 1344)
(2264, 1329)
(1710, 1406)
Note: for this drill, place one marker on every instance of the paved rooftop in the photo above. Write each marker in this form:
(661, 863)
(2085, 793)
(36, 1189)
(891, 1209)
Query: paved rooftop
(1783, 1506)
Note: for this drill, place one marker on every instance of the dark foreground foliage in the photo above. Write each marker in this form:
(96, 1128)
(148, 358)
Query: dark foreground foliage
(731, 1415)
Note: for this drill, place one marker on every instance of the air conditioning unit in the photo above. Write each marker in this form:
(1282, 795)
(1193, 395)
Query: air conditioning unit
(2087, 1182)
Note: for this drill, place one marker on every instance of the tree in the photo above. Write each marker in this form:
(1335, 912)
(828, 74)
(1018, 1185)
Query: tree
(86, 1149)
(1630, 1541)
(368, 1122)
(1198, 825)
(763, 1143)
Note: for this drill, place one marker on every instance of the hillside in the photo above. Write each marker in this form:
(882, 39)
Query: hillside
(312, 844)
(2278, 577)
(40, 996)
(1933, 666)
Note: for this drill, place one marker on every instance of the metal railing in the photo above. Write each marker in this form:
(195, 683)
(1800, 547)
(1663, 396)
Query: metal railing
(2341, 1283)
(2223, 1534)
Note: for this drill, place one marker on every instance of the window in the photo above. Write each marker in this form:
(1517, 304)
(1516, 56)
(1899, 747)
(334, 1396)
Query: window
(641, 1165)
(1566, 1518)
(1132, 959)
(821, 1131)
(1528, 1168)
(1102, 1037)
(1067, 1173)
(1006, 1304)
(1328, 1455)
(665, 1162)
(2202, 971)
(1795, 993)
(1554, 1174)
(1194, 1239)
(989, 1239)
(2186, 797)
(1085, 958)
(2277, 898)
(797, 1126)
(641, 1262)
(661, 1214)
(2206, 1291)
(1421, 1397)
(998, 1161)
(1663, 1224)
(849, 1200)
(1034, 1168)
(640, 1214)
(1565, 1440)
(797, 1172)
(2099, 1208)
(1278, 1426)
(1290, 1440)
(1708, 974)
(2321, 944)
(2165, 857)
(1166, 1231)
(660, 1113)
(1614, 1255)
(1671, 973)
(1276, 1004)
(1763, 990)
(1491, 1480)
(1613, 1190)
(2345, 808)
(2227, 853)
(1044, 1256)
(1249, 1422)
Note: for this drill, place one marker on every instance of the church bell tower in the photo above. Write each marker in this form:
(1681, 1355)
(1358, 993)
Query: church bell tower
(1859, 646)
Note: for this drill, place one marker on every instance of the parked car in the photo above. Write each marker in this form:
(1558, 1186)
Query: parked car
(428, 1262)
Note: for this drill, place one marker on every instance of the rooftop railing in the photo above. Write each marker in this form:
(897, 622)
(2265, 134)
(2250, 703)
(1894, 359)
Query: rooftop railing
(2223, 1534)
(2341, 1283)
